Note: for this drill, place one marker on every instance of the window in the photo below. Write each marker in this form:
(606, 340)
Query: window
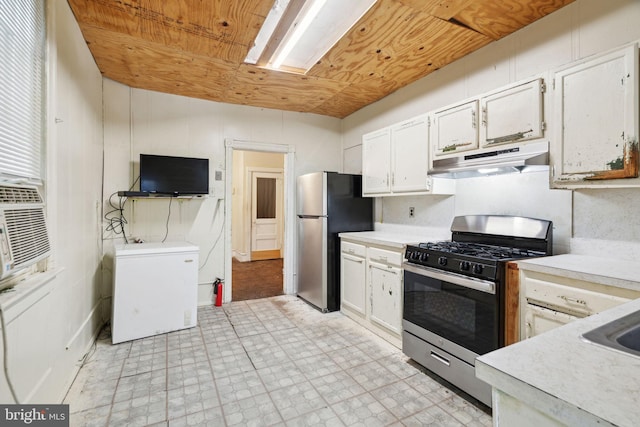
(22, 60)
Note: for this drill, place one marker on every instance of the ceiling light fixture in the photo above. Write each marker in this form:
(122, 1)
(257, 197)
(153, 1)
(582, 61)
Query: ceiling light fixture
(298, 33)
(298, 29)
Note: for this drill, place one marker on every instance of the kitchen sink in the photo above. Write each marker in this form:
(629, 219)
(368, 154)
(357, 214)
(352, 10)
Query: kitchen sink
(622, 334)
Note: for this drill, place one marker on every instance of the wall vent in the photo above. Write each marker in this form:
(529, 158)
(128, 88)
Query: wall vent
(23, 229)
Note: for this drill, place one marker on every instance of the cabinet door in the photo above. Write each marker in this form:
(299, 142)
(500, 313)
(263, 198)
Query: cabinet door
(410, 156)
(376, 149)
(511, 115)
(385, 283)
(538, 320)
(455, 129)
(596, 104)
(353, 283)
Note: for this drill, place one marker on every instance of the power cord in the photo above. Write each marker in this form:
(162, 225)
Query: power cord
(5, 353)
(168, 216)
(117, 222)
(115, 217)
(215, 213)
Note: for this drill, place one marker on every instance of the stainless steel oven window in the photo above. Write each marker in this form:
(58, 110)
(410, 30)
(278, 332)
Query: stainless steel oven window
(465, 316)
(455, 310)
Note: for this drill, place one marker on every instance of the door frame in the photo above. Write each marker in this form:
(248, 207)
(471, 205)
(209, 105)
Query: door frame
(249, 218)
(288, 245)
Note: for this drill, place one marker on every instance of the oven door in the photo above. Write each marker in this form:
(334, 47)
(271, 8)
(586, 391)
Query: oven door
(457, 308)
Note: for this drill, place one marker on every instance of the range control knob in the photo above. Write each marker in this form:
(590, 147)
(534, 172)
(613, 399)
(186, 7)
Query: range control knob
(415, 255)
(465, 265)
(442, 260)
(477, 268)
(424, 257)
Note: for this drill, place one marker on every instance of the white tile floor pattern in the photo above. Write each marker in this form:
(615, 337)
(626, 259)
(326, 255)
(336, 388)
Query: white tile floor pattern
(273, 361)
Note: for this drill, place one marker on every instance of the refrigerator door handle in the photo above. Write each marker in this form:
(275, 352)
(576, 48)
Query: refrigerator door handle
(312, 216)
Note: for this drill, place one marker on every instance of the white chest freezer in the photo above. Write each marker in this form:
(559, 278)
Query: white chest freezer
(155, 289)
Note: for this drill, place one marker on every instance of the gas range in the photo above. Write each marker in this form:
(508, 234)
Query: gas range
(454, 293)
(467, 258)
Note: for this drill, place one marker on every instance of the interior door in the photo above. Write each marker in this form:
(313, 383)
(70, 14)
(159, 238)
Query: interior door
(266, 215)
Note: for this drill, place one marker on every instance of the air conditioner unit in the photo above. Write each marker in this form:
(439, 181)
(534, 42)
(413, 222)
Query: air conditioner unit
(23, 230)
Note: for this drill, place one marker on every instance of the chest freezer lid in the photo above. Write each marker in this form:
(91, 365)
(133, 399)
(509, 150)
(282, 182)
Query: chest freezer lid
(154, 248)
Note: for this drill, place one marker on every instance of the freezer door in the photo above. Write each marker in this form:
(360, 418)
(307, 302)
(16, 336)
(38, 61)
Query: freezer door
(311, 197)
(312, 260)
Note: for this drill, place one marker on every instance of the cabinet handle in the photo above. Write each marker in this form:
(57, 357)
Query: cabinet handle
(473, 119)
(387, 181)
(513, 137)
(390, 292)
(484, 117)
(573, 300)
(188, 260)
(440, 358)
(353, 258)
(393, 178)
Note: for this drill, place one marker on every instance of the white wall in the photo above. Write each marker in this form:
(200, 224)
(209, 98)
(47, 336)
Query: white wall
(581, 29)
(138, 121)
(47, 340)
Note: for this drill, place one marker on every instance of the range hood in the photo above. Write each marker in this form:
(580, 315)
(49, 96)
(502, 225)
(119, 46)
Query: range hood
(526, 158)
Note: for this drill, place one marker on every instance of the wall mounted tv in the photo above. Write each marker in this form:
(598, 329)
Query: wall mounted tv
(174, 175)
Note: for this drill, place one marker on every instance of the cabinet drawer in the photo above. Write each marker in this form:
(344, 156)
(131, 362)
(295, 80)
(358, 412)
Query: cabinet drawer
(353, 249)
(385, 257)
(571, 300)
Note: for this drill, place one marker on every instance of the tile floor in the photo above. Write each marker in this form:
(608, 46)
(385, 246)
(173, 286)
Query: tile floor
(273, 361)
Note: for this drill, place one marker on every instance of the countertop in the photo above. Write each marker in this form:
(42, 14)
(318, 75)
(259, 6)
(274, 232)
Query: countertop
(605, 271)
(393, 239)
(578, 382)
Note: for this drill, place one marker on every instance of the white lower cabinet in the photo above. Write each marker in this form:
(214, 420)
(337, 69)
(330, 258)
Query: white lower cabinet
(371, 288)
(549, 301)
(539, 320)
(353, 277)
(385, 282)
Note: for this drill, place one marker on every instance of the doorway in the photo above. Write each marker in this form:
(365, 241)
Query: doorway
(266, 213)
(257, 225)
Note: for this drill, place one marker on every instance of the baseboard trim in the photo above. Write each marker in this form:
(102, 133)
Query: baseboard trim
(91, 315)
(262, 255)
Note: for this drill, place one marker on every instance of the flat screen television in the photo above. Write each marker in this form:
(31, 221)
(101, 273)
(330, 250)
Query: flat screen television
(174, 175)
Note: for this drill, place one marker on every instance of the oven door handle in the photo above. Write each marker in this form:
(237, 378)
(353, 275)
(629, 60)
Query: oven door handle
(467, 282)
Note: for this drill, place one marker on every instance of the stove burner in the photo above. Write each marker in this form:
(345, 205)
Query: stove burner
(479, 250)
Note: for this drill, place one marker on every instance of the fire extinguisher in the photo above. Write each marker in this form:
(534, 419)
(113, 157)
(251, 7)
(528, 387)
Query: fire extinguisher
(217, 291)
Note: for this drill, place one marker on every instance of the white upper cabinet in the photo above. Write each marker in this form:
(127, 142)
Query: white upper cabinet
(376, 165)
(596, 133)
(455, 129)
(512, 115)
(395, 161)
(410, 155)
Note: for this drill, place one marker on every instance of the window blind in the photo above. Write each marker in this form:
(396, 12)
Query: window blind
(22, 59)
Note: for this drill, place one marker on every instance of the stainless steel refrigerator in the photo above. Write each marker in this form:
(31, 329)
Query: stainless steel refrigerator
(328, 203)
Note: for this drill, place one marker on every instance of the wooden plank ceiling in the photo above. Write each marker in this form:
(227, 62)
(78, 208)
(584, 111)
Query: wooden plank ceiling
(196, 48)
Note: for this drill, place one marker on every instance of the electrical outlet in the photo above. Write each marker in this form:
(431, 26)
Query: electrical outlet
(412, 211)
